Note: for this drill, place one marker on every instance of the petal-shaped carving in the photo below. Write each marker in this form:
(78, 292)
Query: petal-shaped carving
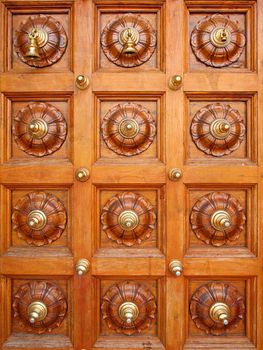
(217, 129)
(48, 49)
(217, 218)
(47, 293)
(48, 227)
(128, 129)
(128, 218)
(39, 129)
(206, 296)
(135, 293)
(129, 40)
(217, 40)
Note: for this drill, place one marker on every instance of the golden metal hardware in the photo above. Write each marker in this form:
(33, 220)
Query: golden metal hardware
(82, 82)
(37, 38)
(220, 128)
(129, 128)
(175, 82)
(37, 219)
(220, 37)
(38, 128)
(82, 267)
(82, 174)
(129, 37)
(220, 220)
(175, 174)
(37, 311)
(220, 312)
(128, 220)
(176, 267)
(128, 312)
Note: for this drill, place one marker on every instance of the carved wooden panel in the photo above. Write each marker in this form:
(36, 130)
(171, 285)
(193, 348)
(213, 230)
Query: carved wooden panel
(39, 218)
(216, 308)
(39, 129)
(128, 218)
(128, 307)
(40, 306)
(217, 129)
(41, 41)
(128, 129)
(128, 40)
(217, 40)
(217, 218)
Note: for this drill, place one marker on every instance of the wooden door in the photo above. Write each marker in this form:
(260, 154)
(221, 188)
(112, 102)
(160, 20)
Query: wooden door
(131, 174)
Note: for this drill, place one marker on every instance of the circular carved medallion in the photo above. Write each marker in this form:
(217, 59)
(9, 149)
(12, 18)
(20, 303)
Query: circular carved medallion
(129, 40)
(39, 218)
(40, 306)
(41, 41)
(128, 307)
(39, 129)
(217, 41)
(128, 218)
(217, 129)
(217, 218)
(217, 308)
(128, 129)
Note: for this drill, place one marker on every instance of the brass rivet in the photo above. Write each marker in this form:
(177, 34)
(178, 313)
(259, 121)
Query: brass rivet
(82, 82)
(175, 174)
(175, 82)
(82, 267)
(82, 174)
(176, 267)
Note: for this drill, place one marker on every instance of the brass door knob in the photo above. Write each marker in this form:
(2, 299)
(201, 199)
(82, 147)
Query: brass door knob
(82, 82)
(38, 128)
(220, 220)
(82, 174)
(37, 219)
(220, 128)
(128, 220)
(128, 312)
(220, 312)
(176, 267)
(82, 267)
(175, 82)
(37, 311)
(175, 174)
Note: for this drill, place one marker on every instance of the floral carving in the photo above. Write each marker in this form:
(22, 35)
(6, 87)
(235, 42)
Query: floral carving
(41, 41)
(142, 300)
(217, 129)
(217, 218)
(217, 40)
(128, 218)
(39, 129)
(203, 300)
(128, 129)
(39, 218)
(47, 293)
(129, 40)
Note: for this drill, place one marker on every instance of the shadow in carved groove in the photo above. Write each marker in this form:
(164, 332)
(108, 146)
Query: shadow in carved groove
(217, 40)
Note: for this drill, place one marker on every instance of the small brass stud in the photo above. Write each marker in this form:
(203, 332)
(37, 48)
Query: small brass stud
(82, 82)
(175, 82)
(82, 174)
(175, 174)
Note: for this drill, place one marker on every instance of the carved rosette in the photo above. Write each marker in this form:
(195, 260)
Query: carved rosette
(217, 218)
(217, 308)
(128, 218)
(217, 129)
(217, 40)
(47, 295)
(39, 129)
(129, 40)
(128, 307)
(128, 129)
(39, 218)
(41, 41)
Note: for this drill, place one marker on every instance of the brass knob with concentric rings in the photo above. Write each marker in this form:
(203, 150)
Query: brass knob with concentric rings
(37, 219)
(128, 220)
(220, 128)
(220, 312)
(220, 37)
(175, 174)
(38, 128)
(37, 311)
(175, 82)
(129, 38)
(176, 267)
(128, 312)
(82, 82)
(129, 128)
(82, 174)
(82, 266)
(220, 220)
